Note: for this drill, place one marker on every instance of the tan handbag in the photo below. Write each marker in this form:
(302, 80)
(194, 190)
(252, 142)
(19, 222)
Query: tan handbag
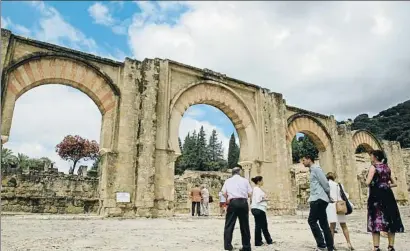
(341, 207)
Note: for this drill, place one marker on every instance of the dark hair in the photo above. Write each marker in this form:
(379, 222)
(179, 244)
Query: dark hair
(237, 165)
(257, 179)
(308, 156)
(379, 155)
(331, 176)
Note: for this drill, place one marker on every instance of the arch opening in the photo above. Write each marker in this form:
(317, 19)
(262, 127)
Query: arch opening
(42, 118)
(363, 143)
(207, 139)
(38, 70)
(307, 135)
(221, 97)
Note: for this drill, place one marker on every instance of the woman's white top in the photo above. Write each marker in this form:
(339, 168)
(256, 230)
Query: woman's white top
(335, 194)
(257, 199)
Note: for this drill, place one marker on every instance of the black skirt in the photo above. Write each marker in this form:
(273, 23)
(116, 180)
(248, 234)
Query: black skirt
(383, 214)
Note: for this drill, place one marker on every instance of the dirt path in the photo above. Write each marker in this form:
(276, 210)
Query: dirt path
(72, 233)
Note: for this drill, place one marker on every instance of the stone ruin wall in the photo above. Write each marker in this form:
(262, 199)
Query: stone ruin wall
(406, 159)
(48, 192)
(183, 184)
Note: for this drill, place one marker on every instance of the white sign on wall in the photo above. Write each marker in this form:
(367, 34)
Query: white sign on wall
(123, 197)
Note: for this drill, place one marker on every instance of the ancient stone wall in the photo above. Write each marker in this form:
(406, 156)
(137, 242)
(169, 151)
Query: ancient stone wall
(48, 192)
(183, 184)
(142, 104)
(399, 172)
(406, 160)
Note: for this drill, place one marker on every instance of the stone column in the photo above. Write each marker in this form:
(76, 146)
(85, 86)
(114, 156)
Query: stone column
(246, 166)
(396, 164)
(346, 169)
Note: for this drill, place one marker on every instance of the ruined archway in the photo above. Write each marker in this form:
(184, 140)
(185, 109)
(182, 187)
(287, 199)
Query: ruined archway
(41, 69)
(317, 134)
(54, 68)
(316, 131)
(365, 142)
(225, 99)
(366, 139)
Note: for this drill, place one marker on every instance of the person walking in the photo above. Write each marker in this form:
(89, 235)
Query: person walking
(204, 200)
(332, 216)
(383, 214)
(237, 190)
(222, 203)
(195, 197)
(258, 209)
(319, 199)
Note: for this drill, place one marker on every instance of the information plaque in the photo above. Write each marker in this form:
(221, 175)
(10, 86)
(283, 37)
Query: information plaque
(123, 197)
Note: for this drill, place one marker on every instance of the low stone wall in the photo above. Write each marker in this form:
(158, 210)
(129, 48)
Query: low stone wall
(48, 192)
(183, 184)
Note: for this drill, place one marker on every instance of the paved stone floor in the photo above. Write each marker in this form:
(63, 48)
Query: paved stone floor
(88, 233)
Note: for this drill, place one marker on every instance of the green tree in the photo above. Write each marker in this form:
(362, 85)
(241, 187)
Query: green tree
(301, 146)
(215, 153)
(7, 158)
(201, 151)
(233, 152)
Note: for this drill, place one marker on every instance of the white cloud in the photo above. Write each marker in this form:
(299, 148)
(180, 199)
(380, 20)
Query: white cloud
(54, 29)
(189, 124)
(334, 58)
(100, 13)
(45, 115)
(6, 23)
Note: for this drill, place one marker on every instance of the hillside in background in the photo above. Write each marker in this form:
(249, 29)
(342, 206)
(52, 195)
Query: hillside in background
(392, 124)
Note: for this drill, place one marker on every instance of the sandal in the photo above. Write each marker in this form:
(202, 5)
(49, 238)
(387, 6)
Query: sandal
(376, 248)
(391, 248)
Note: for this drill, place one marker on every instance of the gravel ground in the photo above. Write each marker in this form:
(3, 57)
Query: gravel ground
(64, 232)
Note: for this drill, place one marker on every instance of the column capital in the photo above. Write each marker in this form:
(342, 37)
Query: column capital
(4, 139)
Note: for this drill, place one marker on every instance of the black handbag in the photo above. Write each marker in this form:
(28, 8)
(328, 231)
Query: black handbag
(348, 205)
(211, 199)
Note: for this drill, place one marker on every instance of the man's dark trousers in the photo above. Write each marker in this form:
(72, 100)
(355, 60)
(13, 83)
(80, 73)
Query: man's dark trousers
(237, 208)
(198, 208)
(318, 213)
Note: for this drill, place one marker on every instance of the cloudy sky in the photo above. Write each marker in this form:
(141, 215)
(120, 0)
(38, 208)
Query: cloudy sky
(340, 58)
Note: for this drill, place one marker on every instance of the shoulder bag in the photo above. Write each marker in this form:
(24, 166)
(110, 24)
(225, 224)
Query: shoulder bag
(347, 204)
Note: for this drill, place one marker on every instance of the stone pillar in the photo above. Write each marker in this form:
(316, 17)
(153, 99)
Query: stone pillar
(164, 157)
(146, 137)
(118, 167)
(247, 167)
(396, 164)
(276, 158)
(346, 167)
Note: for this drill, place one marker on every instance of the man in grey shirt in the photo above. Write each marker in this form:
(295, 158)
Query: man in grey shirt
(319, 199)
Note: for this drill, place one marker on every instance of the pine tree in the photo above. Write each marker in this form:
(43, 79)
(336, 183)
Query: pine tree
(233, 152)
(215, 153)
(201, 151)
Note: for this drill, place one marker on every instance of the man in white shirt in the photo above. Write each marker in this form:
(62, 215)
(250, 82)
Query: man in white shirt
(237, 190)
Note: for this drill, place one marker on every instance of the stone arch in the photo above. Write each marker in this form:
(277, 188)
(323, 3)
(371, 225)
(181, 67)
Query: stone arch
(310, 126)
(54, 68)
(366, 139)
(222, 97)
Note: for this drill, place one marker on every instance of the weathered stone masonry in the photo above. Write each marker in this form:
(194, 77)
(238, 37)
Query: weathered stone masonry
(48, 192)
(142, 103)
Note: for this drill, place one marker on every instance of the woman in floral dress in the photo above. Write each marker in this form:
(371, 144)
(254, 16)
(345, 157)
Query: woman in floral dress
(382, 211)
